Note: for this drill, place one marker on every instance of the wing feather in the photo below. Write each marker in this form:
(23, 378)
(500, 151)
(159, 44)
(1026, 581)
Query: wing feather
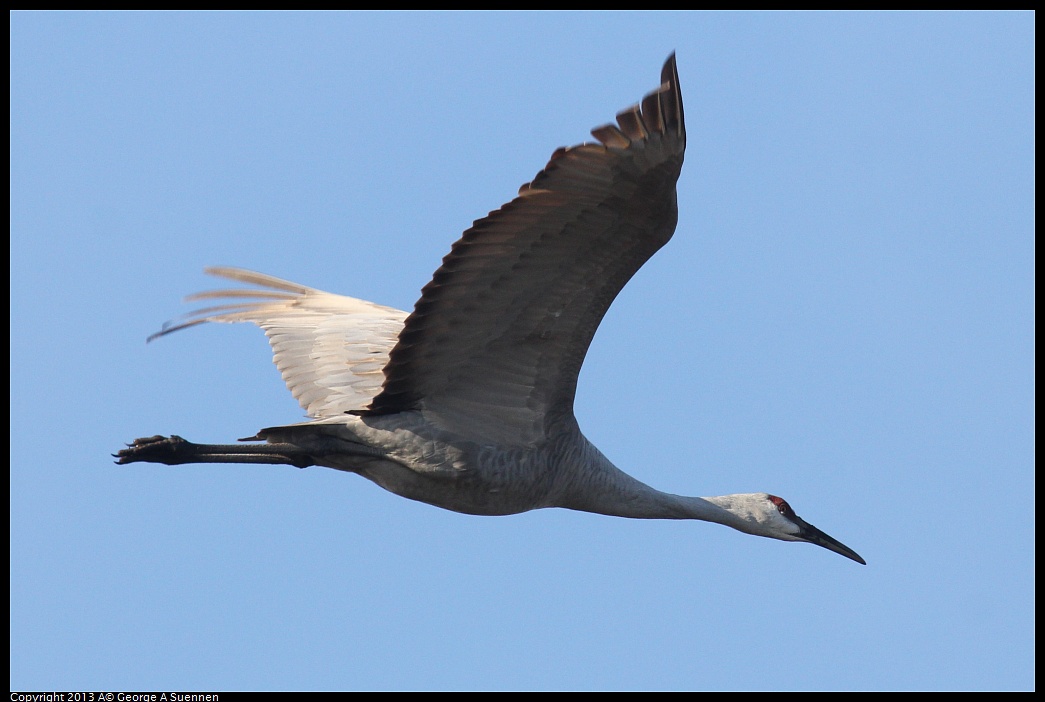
(330, 349)
(494, 346)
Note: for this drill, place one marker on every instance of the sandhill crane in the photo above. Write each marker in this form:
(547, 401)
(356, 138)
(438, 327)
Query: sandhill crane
(467, 402)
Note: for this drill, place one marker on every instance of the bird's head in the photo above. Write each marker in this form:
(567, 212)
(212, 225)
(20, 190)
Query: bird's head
(768, 515)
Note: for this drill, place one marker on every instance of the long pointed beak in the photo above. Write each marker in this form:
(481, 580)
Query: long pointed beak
(814, 536)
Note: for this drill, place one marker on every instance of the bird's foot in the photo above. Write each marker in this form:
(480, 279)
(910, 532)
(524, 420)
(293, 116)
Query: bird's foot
(154, 449)
(174, 451)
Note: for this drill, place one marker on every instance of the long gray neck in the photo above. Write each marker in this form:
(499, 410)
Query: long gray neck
(601, 487)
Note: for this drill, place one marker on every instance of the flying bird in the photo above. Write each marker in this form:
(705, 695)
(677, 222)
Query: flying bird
(466, 403)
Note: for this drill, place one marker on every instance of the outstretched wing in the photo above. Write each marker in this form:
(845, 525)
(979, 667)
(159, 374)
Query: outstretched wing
(493, 348)
(331, 349)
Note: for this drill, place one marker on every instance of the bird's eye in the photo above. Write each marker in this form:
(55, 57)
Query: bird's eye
(782, 506)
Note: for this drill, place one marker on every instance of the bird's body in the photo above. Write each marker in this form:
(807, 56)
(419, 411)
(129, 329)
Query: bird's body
(422, 462)
(467, 402)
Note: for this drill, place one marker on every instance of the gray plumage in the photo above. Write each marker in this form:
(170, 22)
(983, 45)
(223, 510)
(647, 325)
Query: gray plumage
(467, 402)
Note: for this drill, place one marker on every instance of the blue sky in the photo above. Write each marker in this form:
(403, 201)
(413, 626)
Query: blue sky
(845, 318)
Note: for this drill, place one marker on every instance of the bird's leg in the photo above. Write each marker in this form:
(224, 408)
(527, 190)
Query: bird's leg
(176, 451)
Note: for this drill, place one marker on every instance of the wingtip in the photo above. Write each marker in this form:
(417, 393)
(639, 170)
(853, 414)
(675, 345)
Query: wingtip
(669, 70)
(659, 111)
(671, 97)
